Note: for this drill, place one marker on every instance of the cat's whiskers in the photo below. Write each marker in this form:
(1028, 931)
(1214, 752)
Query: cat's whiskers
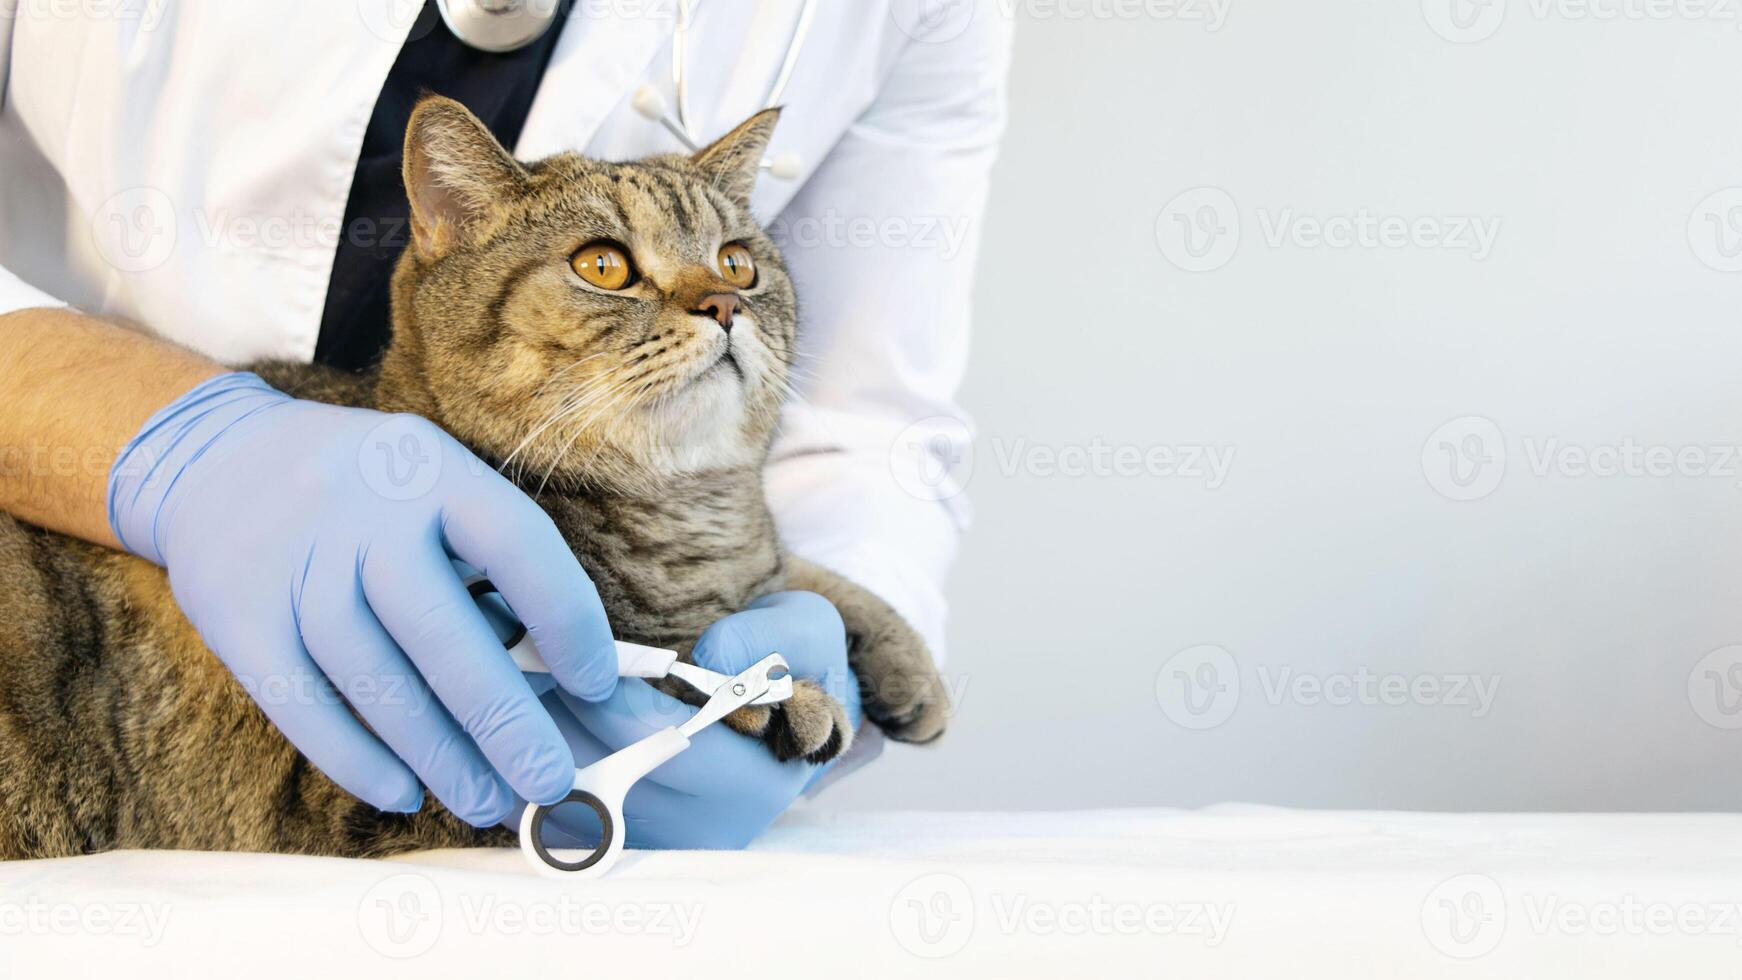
(539, 427)
(596, 405)
(582, 394)
(610, 434)
(561, 372)
(604, 405)
(602, 393)
(791, 355)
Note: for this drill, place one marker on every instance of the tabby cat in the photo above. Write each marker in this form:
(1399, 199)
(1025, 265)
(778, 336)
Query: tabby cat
(119, 729)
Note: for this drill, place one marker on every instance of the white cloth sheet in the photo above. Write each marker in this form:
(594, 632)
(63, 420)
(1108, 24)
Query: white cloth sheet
(1231, 891)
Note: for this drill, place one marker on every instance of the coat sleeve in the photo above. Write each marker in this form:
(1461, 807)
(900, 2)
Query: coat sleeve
(881, 242)
(15, 293)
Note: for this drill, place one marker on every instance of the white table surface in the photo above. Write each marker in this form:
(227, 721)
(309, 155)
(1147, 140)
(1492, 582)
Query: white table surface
(1230, 891)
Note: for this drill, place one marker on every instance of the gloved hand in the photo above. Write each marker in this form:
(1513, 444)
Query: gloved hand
(309, 545)
(725, 788)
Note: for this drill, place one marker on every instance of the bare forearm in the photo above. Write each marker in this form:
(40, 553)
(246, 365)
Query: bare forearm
(73, 390)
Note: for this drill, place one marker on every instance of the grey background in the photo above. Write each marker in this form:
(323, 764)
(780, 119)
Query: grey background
(1590, 601)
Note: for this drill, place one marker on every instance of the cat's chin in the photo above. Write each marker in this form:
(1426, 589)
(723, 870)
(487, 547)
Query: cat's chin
(701, 425)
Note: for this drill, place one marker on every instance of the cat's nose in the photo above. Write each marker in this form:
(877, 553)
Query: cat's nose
(721, 306)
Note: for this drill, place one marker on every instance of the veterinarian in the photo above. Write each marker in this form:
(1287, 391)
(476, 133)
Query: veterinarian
(188, 185)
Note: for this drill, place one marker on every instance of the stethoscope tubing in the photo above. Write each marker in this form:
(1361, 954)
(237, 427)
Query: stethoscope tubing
(801, 30)
(490, 25)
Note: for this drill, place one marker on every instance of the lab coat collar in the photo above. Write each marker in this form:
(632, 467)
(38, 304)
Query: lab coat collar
(592, 71)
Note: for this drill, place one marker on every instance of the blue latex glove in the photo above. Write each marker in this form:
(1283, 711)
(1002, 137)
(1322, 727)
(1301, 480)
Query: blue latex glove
(725, 789)
(309, 545)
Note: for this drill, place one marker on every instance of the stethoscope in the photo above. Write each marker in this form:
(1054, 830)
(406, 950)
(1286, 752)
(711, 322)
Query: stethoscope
(508, 25)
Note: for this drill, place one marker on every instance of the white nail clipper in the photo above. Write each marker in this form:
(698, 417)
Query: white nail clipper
(603, 785)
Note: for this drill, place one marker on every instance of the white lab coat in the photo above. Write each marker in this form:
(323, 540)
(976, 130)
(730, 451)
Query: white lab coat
(184, 164)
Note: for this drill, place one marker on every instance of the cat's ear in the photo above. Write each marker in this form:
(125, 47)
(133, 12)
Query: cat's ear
(734, 161)
(455, 174)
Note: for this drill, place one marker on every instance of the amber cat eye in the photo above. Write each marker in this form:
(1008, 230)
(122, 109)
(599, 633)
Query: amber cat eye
(737, 266)
(603, 264)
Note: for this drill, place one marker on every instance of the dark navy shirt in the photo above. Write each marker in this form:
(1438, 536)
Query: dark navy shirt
(498, 88)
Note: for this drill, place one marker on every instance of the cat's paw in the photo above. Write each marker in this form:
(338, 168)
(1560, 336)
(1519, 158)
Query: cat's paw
(810, 725)
(910, 706)
(898, 681)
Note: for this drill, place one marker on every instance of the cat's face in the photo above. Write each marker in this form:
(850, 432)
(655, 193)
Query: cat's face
(587, 322)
